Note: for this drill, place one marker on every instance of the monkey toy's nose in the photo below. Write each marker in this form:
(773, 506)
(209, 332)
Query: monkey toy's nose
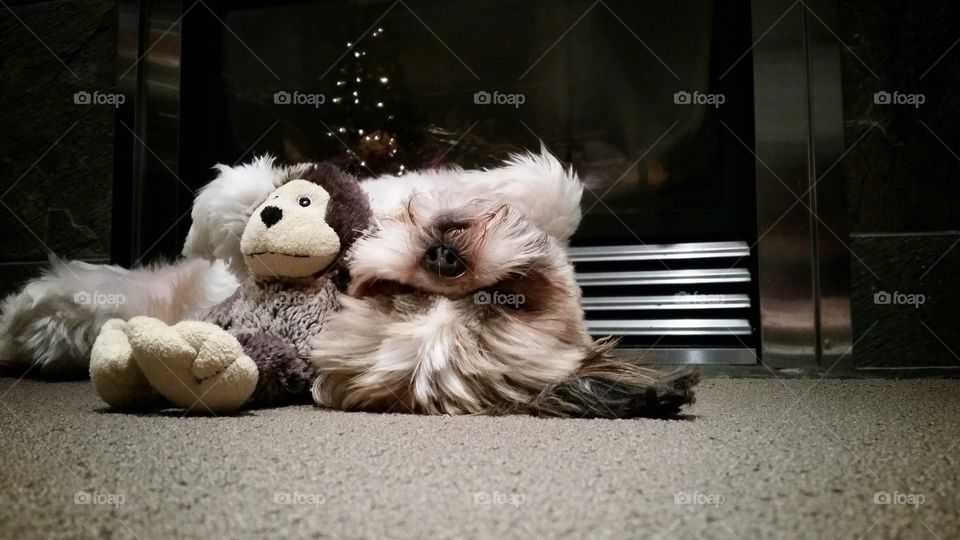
(444, 262)
(271, 215)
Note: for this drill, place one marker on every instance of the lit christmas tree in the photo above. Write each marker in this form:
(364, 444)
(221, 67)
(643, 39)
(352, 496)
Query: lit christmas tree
(374, 126)
(371, 113)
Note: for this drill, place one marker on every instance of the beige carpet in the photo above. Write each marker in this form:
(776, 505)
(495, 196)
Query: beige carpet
(756, 459)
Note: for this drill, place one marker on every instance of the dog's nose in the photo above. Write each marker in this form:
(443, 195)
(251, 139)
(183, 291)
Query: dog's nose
(271, 215)
(444, 262)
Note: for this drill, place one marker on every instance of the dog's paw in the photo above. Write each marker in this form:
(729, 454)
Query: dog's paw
(196, 365)
(116, 377)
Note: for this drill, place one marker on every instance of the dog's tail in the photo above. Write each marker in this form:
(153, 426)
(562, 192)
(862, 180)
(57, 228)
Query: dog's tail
(608, 386)
(48, 327)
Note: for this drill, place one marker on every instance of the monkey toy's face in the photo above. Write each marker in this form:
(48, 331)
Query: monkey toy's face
(288, 236)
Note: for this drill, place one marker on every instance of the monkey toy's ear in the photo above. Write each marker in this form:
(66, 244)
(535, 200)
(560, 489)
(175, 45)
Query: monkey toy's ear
(348, 211)
(221, 209)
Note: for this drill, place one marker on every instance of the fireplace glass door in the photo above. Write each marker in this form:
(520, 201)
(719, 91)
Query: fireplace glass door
(651, 102)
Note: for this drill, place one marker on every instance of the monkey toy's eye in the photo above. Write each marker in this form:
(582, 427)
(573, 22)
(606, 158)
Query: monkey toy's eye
(304, 201)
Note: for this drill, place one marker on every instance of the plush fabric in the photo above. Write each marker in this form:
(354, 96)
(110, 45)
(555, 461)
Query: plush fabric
(288, 235)
(274, 324)
(116, 377)
(284, 375)
(193, 365)
(252, 349)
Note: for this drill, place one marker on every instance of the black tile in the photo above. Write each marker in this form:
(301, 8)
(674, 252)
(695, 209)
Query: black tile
(903, 163)
(56, 196)
(905, 302)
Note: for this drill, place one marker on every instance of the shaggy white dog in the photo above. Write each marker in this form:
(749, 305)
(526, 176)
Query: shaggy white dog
(48, 327)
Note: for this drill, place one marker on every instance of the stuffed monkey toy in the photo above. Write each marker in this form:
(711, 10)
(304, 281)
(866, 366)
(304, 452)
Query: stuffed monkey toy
(252, 349)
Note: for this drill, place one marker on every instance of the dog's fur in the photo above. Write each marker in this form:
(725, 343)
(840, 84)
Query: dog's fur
(508, 335)
(48, 328)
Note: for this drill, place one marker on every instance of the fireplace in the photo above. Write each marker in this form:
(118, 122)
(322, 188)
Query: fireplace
(676, 115)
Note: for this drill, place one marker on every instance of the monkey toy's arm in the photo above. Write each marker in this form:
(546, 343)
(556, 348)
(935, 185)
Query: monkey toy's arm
(283, 376)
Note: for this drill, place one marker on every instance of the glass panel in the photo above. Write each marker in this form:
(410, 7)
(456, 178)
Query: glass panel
(643, 98)
(900, 108)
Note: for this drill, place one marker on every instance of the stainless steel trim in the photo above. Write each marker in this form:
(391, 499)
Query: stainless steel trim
(677, 355)
(693, 250)
(161, 127)
(675, 301)
(664, 277)
(671, 327)
(832, 261)
(149, 51)
(127, 155)
(785, 250)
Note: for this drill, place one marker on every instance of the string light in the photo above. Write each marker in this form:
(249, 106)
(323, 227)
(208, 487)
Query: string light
(375, 144)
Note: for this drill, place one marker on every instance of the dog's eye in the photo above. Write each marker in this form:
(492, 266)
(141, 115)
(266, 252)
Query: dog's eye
(304, 201)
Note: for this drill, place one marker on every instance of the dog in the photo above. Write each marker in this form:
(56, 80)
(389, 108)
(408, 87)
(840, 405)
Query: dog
(48, 327)
(466, 307)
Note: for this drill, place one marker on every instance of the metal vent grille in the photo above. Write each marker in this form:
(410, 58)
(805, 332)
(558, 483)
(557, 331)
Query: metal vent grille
(680, 303)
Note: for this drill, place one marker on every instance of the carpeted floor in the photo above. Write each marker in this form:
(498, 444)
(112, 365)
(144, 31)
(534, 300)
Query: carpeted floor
(756, 458)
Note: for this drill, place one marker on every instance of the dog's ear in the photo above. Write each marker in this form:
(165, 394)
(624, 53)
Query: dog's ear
(539, 186)
(221, 209)
(542, 189)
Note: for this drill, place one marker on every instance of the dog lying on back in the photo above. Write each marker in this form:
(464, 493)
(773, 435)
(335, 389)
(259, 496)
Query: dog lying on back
(467, 307)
